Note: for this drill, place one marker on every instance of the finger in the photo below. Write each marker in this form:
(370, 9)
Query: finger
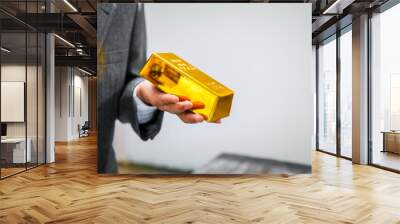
(204, 117)
(190, 118)
(198, 105)
(177, 108)
(183, 98)
(155, 96)
(164, 99)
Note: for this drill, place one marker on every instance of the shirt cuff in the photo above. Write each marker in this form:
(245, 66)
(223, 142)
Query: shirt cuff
(144, 112)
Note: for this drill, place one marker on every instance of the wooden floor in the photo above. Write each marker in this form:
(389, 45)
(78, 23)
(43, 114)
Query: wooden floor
(70, 191)
(5, 172)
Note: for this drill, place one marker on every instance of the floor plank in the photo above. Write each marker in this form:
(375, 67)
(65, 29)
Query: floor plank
(70, 191)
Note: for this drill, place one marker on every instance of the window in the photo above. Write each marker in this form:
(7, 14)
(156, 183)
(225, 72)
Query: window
(327, 96)
(346, 93)
(385, 89)
(334, 138)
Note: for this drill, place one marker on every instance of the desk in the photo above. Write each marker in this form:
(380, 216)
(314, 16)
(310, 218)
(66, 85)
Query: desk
(391, 141)
(13, 150)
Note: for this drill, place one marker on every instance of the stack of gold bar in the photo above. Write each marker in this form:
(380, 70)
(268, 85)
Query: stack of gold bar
(173, 75)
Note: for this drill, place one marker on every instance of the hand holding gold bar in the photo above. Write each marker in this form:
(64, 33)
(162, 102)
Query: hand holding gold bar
(173, 75)
(149, 94)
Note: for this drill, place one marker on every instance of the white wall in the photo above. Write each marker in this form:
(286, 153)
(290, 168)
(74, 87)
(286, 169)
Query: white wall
(17, 73)
(33, 126)
(262, 52)
(80, 85)
(12, 100)
(61, 103)
(69, 82)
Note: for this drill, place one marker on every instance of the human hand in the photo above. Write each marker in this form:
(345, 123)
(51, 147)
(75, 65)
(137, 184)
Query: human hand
(180, 106)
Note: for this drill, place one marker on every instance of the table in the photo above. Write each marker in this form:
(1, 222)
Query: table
(391, 141)
(13, 150)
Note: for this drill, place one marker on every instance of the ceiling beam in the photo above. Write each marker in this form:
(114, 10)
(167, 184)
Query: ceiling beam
(337, 7)
(84, 24)
(83, 61)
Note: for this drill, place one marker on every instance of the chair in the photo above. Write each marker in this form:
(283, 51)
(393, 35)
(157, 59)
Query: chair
(84, 130)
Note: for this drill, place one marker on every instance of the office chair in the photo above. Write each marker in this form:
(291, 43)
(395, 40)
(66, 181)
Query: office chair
(84, 130)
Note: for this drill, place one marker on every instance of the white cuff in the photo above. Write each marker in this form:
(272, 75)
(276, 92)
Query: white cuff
(144, 112)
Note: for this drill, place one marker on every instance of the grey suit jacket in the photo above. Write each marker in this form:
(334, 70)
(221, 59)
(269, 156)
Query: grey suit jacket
(121, 37)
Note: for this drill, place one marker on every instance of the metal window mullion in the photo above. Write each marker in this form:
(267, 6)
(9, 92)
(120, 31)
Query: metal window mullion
(338, 98)
(369, 91)
(26, 87)
(37, 91)
(45, 93)
(317, 96)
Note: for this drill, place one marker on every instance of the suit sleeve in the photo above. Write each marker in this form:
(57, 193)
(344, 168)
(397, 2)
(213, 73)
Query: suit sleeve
(128, 109)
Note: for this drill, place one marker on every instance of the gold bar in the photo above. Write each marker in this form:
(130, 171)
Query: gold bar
(173, 75)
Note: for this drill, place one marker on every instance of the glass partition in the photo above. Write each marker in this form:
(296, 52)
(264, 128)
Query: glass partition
(22, 90)
(14, 154)
(335, 94)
